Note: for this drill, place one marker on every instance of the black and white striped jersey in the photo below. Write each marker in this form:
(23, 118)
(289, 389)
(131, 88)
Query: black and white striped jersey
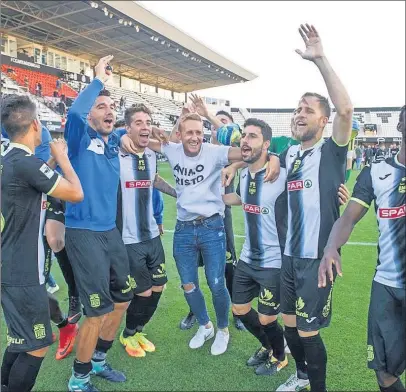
(385, 183)
(135, 215)
(313, 179)
(265, 217)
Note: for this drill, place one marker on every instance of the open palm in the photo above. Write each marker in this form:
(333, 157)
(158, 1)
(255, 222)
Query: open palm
(314, 48)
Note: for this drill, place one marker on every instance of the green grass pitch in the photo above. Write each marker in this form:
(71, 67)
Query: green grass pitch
(175, 367)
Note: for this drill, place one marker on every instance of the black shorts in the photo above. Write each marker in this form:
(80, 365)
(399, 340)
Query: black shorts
(251, 282)
(26, 312)
(301, 296)
(147, 264)
(55, 210)
(100, 265)
(48, 258)
(387, 329)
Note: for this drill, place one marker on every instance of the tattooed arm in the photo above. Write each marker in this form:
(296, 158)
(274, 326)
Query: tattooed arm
(163, 186)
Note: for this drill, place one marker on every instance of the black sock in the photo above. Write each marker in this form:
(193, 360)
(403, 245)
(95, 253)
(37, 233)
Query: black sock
(102, 347)
(81, 369)
(316, 358)
(63, 323)
(297, 350)
(8, 360)
(397, 386)
(66, 268)
(251, 322)
(24, 372)
(274, 332)
(139, 312)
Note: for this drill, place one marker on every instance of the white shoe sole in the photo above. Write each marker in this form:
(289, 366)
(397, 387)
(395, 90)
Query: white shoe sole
(208, 337)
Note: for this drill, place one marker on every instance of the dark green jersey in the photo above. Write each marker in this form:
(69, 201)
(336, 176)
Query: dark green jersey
(281, 143)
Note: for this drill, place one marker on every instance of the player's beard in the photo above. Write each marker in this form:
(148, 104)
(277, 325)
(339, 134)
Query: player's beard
(305, 136)
(255, 155)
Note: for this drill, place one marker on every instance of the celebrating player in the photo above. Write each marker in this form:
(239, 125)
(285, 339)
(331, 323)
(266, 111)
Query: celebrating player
(384, 183)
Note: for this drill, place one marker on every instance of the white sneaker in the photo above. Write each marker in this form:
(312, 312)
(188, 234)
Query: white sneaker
(201, 336)
(287, 349)
(53, 289)
(220, 344)
(294, 384)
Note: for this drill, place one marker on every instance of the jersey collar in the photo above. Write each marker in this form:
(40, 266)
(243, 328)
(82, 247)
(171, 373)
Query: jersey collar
(321, 141)
(259, 171)
(397, 160)
(22, 147)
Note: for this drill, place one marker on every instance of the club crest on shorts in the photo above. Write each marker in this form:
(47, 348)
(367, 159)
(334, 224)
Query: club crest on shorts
(131, 285)
(94, 300)
(265, 298)
(161, 271)
(327, 307)
(39, 331)
(370, 353)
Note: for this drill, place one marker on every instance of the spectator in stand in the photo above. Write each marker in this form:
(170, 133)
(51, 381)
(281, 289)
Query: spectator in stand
(394, 149)
(368, 155)
(40, 89)
(380, 153)
(26, 82)
(58, 84)
(358, 157)
(37, 89)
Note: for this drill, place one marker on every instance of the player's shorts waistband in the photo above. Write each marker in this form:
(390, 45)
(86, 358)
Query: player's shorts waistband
(200, 219)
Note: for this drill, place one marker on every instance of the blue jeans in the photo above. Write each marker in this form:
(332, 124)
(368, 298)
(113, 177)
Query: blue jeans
(358, 163)
(208, 237)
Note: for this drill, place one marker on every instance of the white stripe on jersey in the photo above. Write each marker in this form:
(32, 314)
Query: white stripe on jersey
(262, 244)
(389, 186)
(41, 249)
(130, 186)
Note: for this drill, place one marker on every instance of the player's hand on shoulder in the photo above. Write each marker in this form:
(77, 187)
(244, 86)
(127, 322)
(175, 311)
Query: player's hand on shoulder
(343, 194)
(273, 169)
(331, 257)
(128, 145)
(160, 134)
(227, 175)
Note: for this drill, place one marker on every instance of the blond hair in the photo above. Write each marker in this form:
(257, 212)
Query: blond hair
(187, 117)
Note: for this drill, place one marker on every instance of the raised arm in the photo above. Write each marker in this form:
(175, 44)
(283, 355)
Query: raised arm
(76, 119)
(163, 186)
(342, 124)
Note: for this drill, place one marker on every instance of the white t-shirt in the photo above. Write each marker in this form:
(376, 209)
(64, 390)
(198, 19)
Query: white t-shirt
(198, 179)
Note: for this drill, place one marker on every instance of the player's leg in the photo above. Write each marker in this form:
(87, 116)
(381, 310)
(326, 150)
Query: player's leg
(29, 335)
(55, 233)
(268, 309)
(211, 239)
(298, 381)
(87, 252)
(245, 289)
(313, 312)
(189, 320)
(185, 249)
(386, 328)
(121, 291)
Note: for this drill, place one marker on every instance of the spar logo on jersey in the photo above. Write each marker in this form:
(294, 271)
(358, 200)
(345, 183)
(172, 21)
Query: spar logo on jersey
(299, 185)
(393, 213)
(138, 184)
(44, 205)
(254, 209)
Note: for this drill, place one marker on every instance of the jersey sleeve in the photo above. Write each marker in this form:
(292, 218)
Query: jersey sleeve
(220, 155)
(38, 174)
(282, 159)
(363, 192)
(43, 151)
(334, 150)
(170, 150)
(238, 190)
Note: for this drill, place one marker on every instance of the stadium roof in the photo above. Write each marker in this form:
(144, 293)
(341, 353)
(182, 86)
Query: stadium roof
(145, 46)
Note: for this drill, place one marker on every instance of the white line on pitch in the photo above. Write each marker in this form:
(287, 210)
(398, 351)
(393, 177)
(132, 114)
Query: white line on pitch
(348, 243)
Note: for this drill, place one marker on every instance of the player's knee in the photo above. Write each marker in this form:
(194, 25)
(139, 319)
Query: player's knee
(289, 320)
(217, 284)
(307, 334)
(39, 353)
(146, 293)
(385, 379)
(123, 306)
(189, 288)
(157, 289)
(265, 320)
(240, 310)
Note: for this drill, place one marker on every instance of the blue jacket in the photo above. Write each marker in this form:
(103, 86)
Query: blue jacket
(158, 205)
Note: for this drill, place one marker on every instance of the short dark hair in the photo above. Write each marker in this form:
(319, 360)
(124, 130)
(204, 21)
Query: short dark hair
(266, 129)
(323, 101)
(104, 93)
(224, 113)
(17, 114)
(129, 113)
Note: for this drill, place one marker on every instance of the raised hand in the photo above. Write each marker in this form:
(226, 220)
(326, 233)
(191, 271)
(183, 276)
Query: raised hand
(59, 149)
(160, 134)
(199, 105)
(314, 48)
(100, 70)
